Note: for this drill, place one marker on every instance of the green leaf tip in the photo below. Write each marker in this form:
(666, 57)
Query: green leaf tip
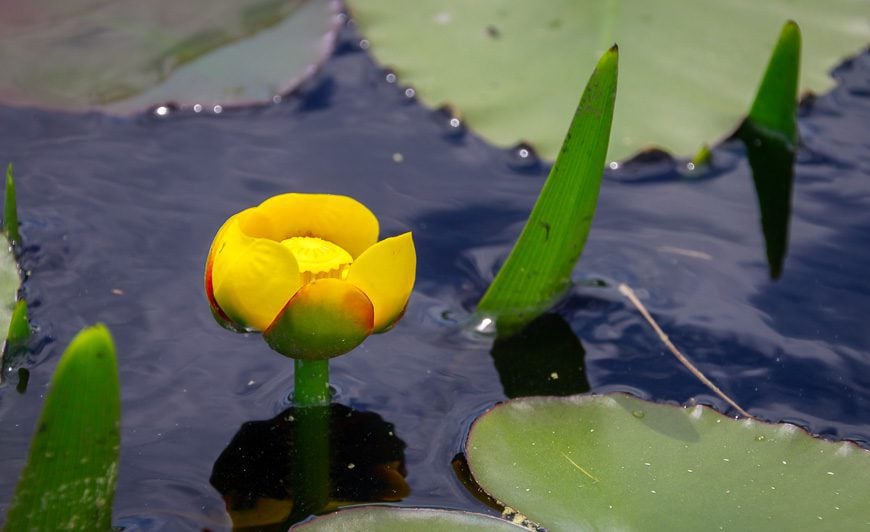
(10, 209)
(68, 482)
(775, 105)
(702, 156)
(19, 326)
(538, 270)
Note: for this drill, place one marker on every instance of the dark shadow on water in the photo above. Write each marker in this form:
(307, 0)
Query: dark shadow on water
(544, 358)
(771, 158)
(308, 460)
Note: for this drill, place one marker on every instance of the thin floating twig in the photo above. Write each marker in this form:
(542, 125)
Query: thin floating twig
(626, 290)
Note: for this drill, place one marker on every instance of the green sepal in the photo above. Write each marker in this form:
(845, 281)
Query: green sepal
(326, 318)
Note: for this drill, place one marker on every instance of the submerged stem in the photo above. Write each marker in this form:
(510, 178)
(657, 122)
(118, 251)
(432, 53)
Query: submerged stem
(311, 382)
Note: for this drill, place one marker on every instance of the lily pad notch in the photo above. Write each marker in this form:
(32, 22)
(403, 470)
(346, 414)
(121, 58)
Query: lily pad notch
(538, 270)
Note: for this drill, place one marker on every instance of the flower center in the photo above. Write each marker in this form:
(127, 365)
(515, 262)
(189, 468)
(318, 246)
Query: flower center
(318, 258)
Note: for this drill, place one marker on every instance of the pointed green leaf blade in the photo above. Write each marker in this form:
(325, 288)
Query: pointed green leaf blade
(538, 270)
(10, 209)
(770, 136)
(68, 482)
(775, 105)
(19, 325)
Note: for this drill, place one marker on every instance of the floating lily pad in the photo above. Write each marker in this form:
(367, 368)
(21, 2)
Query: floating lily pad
(89, 53)
(385, 519)
(615, 462)
(689, 70)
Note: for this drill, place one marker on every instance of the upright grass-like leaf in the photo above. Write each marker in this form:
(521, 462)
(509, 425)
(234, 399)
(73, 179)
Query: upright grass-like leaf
(16, 338)
(538, 270)
(770, 136)
(10, 209)
(775, 104)
(68, 482)
(19, 326)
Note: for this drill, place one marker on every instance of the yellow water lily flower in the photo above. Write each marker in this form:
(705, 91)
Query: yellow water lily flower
(308, 271)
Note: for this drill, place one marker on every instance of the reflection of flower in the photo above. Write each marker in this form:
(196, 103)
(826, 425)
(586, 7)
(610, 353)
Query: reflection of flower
(308, 271)
(260, 474)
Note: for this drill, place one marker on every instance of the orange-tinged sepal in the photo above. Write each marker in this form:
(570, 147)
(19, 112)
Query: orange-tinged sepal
(326, 318)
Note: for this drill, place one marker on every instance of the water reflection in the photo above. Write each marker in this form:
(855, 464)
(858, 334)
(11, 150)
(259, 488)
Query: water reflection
(544, 358)
(771, 158)
(308, 460)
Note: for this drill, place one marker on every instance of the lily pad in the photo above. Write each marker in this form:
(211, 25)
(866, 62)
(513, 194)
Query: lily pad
(385, 519)
(615, 462)
(89, 53)
(689, 70)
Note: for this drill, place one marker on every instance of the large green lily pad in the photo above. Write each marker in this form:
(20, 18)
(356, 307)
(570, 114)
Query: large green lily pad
(386, 519)
(688, 71)
(615, 462)
(88, 53)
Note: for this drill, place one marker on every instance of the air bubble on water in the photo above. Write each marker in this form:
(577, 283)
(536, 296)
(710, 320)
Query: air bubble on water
(197, 108)
(218, 109)
(391, 77)
(410, 92)
(364, 44)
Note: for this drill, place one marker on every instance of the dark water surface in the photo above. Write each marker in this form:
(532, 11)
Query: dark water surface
(118, 215)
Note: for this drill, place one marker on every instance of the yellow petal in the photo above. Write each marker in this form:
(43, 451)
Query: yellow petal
(218, 313)
(326, 318)
(338, 219)
(252, 278)
(386, 273)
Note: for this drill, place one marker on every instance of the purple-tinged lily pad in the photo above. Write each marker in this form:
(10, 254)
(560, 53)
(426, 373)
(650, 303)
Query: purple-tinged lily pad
(126, 55)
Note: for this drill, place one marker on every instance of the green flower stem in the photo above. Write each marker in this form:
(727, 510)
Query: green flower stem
(311, 383)
(311, 484)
